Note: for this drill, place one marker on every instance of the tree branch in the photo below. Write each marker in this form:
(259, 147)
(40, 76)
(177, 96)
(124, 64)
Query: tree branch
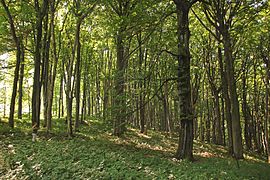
(208, 29)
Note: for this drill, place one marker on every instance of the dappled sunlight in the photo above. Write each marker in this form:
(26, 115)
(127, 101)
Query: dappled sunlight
(93, 153)
(253, 158)
(205, 154)
(138, 140)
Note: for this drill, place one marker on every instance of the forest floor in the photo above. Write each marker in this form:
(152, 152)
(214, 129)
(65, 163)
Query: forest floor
(94, 154)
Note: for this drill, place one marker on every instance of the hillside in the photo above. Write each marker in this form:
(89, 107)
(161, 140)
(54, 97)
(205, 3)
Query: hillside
(94, 154)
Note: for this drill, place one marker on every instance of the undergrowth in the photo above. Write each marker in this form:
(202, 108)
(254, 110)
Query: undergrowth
(94, 154)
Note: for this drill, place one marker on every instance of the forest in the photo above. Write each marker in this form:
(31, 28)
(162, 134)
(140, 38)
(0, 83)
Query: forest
(134, 89)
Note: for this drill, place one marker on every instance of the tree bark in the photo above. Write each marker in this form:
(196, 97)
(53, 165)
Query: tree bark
(83, 108)
(17, 42)
(208, 120)
(20, 100)
(236, 127)
(119, 101)
(60, 100)
(224, 85)
(266, 120)
(78, 79)
(266, 60)
(141, 86)
(217, 119)
(46, 65)
(37, 64)
(246, 112)
(185, 145)
(53, 68)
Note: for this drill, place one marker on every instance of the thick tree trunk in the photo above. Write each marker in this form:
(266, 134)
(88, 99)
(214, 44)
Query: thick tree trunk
(236, 127)
(119, 101)
(37, 64)
(37, 81)
(185, 145)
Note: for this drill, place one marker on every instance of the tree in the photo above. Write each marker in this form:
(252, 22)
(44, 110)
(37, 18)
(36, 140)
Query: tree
(17, 42)
(41, 10)
(220, 14)
(185, 145)
(80, 17)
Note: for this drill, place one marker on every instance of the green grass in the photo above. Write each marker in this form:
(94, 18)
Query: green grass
(95, 154)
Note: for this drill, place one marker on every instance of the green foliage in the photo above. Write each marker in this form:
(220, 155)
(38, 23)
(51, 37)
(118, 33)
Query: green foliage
(94, 154)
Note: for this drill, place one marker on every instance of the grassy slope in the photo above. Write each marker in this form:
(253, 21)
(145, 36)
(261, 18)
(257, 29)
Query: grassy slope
(94, 154)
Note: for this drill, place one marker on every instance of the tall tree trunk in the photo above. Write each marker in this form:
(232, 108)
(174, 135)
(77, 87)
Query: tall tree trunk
(266, 120)
(217, 119)
(69, 99)
(60, 100)
(60, 96)
(224, 85)
(97, 107)
(36, 84)
(69, 84)
(17, 67)
(202, 114)
(217, 132)
(53, 68)
(236, 127)
(267, 87)
(37, 63)
(208, 118)
(83, 108)
(141, 86)
(246, 112)
(223, 122)
(119, 101)
(78, 79)
(20, 100)
(45, 67)
(106, 86)
(185, 145)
